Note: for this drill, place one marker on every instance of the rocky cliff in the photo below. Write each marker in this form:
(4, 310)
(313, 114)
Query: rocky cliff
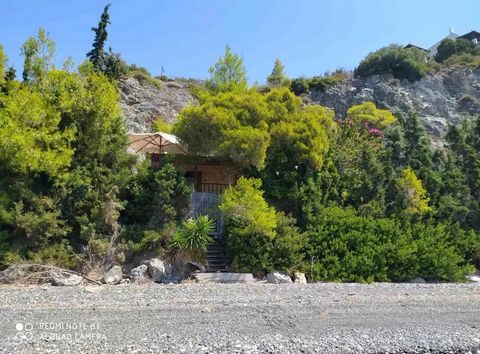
(143, 103)
(440, 99)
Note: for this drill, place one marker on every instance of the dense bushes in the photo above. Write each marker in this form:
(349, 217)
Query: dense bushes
(409, 63)
(259, 239)
(242, 126)
(303, 85)
(348, 247)
(450, 47)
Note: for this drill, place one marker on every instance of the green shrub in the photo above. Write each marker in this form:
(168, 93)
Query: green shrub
(449, 47)
(258, 239)
(300, 86)
(145, 78)
(346, 247)
(156, 196)
(320, 83)
(402, 63)
(193, 236)
(138, 239)
(463, 60)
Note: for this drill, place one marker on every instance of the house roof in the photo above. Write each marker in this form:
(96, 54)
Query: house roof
(471, 35)
(410, 45)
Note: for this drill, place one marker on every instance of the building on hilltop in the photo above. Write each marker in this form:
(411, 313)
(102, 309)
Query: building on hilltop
(473, 36)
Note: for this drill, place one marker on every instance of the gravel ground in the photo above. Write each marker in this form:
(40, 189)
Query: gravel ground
(241, 318)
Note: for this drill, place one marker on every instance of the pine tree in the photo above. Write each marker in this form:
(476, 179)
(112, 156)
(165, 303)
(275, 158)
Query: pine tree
(277, 77)
(228, 74)
(97, 54)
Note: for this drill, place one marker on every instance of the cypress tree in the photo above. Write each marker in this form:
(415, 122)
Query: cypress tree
(97, 54)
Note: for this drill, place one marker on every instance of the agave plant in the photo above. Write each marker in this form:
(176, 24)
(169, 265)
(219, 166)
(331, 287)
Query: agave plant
(194, 235)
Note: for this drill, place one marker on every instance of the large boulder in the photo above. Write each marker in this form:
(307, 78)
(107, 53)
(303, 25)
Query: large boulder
(278, 278)
(113, 276)
(71, 280)
(157, 270)
(139, 273)
(300, 278)
(193, 267)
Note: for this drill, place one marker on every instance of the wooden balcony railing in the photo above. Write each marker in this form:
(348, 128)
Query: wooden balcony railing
(214, 188)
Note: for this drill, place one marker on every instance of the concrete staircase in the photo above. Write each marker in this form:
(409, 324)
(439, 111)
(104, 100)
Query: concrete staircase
(215, 255)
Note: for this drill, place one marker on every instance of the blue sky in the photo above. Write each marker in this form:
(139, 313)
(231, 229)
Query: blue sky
(187, 36)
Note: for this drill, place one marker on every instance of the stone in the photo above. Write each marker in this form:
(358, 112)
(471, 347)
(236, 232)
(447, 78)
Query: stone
(440, 98)
(72, 280)
(224, 277)
(142, 102)
(278, 278)
(139, 273)
(195, 267)
(300, 278)
(92, 289)
(473, 278)
(156, 270)
(113, 276)
(417, 280)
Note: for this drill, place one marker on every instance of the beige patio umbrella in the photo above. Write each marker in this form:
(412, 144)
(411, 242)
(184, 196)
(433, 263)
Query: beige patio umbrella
(159, 142)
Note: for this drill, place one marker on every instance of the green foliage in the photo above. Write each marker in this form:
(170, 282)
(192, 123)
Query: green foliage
(114, 66)
(30, 133)
(300, 86)
(140, 239)
(97, 54)
(449, 47)
(244, 205)
(38, 53)
(258, 239)
(368, 113)
(413, 193)
(60, 254)
(156, 196)
(245, 126)
(228, 74)
(3, 64)
(463, 59)
(402, 63)
(145, 78)
(193, 236)
(303, 85)
(348, 247)
(277, 77)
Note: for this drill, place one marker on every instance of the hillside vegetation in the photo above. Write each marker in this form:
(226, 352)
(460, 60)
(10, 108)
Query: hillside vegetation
(364, 199)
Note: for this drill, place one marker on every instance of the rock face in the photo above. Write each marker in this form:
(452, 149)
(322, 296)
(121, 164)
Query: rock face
(300, 278)
(278, 278)
(143, 103)
(139, 273)
(71, 280)
(440, 99)
(157, 270)
(113, 276)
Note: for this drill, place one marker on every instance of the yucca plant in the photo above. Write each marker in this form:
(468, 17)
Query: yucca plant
(193, 236)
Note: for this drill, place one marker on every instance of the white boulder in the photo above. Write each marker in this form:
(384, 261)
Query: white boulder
(113, 276)
(300, 278)
(71, 280)
(278, 278)
(157, 270)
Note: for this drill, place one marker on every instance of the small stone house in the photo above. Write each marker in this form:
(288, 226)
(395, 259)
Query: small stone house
(206, 174)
